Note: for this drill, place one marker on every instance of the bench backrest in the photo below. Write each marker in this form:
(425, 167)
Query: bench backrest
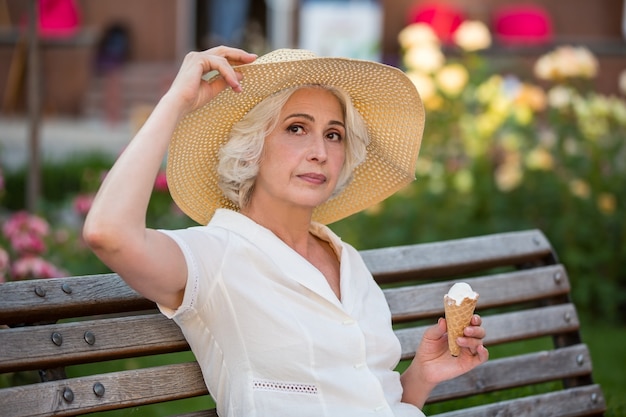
(524, 298)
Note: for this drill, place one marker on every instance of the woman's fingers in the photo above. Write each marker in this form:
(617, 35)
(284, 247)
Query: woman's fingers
(473, 336)
(222, 59)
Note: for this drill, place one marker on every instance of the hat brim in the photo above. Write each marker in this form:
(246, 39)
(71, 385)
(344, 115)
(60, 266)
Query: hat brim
(386, 99)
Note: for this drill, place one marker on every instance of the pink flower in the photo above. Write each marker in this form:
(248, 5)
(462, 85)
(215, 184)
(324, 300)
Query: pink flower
(160, 184)
(23, 222)
(82, 204)
(28, 243)
(35, 267)
(25, 232)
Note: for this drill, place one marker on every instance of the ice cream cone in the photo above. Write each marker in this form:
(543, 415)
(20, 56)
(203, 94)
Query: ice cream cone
(458, 317)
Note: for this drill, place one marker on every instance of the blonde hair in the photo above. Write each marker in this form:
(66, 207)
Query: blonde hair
(239, 158)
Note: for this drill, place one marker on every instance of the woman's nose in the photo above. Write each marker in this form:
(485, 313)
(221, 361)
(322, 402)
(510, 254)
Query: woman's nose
(317, 148)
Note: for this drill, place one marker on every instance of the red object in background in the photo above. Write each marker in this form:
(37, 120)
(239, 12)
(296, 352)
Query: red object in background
(443, 18)
(522, 24)
(58, 18)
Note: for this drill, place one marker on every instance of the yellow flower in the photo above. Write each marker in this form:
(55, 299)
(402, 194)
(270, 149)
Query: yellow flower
(416, 34)
(423, 166)
(580, 188)
(523, 115)
(509, 174)
(426, 58)
(532, 96)
(539, 159)
(489, 89)
(607, 203)
(618, 110)
(472, 35)
(508, 177)
(452, 79)
(464, 181)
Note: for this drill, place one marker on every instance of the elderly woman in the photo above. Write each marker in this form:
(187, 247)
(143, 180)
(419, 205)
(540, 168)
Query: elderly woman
(283, 317)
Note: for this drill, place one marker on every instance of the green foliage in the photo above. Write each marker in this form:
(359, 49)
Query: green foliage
(59, 179)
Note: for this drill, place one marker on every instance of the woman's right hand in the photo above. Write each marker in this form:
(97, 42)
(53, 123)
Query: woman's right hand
(192, 90)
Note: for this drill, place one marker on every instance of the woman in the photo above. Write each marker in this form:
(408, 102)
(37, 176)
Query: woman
(282, 316)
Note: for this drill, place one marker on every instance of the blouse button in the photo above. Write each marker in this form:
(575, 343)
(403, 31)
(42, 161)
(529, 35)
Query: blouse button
(348, 322)
(359, 365)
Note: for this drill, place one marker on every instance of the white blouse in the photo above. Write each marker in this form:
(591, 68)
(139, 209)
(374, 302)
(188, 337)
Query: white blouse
(272, 338)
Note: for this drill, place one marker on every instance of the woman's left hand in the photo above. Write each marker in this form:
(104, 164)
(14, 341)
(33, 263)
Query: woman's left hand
(437, 362)
(433, 362)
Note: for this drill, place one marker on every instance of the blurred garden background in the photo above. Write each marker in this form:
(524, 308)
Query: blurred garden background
(525, 128)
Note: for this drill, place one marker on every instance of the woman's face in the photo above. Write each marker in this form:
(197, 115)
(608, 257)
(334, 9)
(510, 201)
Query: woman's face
(303, 156)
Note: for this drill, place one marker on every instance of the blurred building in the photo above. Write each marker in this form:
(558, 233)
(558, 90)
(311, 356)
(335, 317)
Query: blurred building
(141, 42)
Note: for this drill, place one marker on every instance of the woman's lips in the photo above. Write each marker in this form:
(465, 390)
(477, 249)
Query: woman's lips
(313, 177)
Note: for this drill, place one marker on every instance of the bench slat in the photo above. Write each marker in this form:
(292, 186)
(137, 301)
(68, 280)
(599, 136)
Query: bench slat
(428, 260)
(107, 293)
(517, 371)
(27, 348)
(115, 338)
(426, 300)
(204, 413)
(67, 297)
(573, 402)
(121, 389)
(508, 327)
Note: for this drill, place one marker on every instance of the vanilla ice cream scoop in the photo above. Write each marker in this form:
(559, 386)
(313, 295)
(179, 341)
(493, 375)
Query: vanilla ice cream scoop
(460, 291)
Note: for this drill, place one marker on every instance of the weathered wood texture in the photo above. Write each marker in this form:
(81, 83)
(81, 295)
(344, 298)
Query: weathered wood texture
(524, 294)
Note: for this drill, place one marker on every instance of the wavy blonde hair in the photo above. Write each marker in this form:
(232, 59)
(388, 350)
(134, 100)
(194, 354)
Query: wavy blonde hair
(239, 158)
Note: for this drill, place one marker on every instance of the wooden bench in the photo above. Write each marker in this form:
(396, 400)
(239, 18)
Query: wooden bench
(52, 325)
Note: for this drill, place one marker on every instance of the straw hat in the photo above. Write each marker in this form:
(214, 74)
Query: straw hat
(386, 99)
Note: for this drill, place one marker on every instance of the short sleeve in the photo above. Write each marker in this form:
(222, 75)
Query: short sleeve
(193, 279)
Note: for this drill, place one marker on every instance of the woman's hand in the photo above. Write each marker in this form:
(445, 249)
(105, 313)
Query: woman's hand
(191, 91)
(433, 362)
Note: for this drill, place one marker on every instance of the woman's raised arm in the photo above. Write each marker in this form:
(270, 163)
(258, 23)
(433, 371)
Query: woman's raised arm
(115, 228)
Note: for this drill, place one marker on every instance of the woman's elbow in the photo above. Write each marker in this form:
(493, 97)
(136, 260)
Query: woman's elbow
(98, 236)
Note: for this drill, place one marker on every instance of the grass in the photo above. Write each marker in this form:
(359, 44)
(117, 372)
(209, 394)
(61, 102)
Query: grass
(607, 344)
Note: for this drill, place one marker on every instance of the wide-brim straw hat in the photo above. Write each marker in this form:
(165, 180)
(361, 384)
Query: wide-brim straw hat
(386, 99)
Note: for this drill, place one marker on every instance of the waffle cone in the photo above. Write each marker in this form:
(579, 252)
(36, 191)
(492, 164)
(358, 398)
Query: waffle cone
(458, 317)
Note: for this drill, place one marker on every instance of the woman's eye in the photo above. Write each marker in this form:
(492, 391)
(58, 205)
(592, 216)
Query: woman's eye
(335, 136)
(297, 129)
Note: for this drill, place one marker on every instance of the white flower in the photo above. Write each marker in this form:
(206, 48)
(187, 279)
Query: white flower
(424, 84)
(586, 62)
(452, 79)
(426, 58)
(566, 62)
(560, 97)
(544, 68)
(416, 34)
(472, 35)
